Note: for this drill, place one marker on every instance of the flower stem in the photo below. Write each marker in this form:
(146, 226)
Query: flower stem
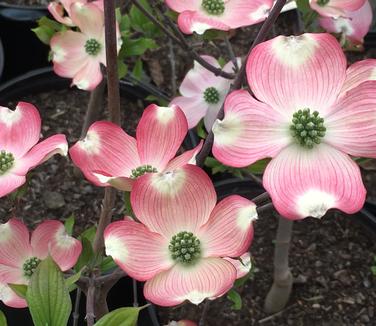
(280, 291)
(262, 34)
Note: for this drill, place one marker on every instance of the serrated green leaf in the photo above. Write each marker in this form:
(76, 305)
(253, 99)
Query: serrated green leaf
(19, 289)
(48, 296)
(127, 316)
(235, 298)
(69, 224)
(3, 319)
(87, 254)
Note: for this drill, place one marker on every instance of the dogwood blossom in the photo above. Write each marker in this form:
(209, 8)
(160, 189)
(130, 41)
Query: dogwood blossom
(203, 93)
(109, 157)
(19, 152)
(20, 254)
(310, 113)
(79, 54)
(178, 247)
(353, 26)
(335, 8)
(201, 15)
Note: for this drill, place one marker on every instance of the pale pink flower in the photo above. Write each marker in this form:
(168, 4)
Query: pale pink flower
(353, 26)
(109, 157)
(203, 93)
(335, 8)
(310, 113)
(178, 247)
(183, 322)
(19, 152)
(201, 15)
(59, 8)
(20, 254)
(79, 54)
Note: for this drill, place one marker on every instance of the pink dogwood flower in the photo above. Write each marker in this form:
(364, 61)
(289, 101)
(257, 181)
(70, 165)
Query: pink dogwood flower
(353, 26)
(335, 8)
(243, 264)
(203, 93)
(178, 247)
(79, 54)
(184, 322)
(109, 157)
(310, 115)
(20, 254)
(201, 15)
(19, 152)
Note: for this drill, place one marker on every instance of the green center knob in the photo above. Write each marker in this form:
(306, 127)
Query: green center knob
(185, 248)
(30, 266)
(92, 47)
(211, 95)
(141, 170)
(214, 7)
(307, 128)
(6, 161)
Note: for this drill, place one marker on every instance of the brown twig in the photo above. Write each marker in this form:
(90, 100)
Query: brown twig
(76, 312)
(90, 301)
(262, 34)
(179, 38)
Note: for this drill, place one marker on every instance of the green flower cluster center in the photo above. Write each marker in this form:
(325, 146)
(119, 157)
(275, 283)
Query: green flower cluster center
(307, 128)
(322, 3)
(211, 95)
(30, 265)
(214, 7)
(92, 47)
(185, 248)
(141, 170)
(6, 161)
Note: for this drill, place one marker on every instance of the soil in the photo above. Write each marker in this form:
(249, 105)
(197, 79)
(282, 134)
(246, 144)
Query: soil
(330, 258)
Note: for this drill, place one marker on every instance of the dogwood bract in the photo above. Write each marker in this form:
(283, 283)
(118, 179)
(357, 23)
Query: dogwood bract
(335, 8)
(203, 93)
(58, 9)
(108, 156)
(310, 114)
(178, 247)
(20, 254)
(201, 15)
(353, 26)
(79, 54)
(19, 152)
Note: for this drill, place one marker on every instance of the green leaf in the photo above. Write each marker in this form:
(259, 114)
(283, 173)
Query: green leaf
(107, 264)
(87, 254)
(3, 319)
(200, 129)
(51, 24)
(44, 33)
(138, 46)
(155, 99)
(258, 167)
(137, 69)
(122, 69)
(125, 23)
(69, 224)
(127, 203)
(235, 298)
(373, 270)
(89, 233)
(120, 317)
(71, 280)
(19, 289)
(48, 296)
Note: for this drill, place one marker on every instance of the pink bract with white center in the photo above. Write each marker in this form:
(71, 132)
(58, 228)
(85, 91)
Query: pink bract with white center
(178, 247)
(310, 114)
(58, 9)
(201, 15)
(79, 54)
(20, 254)
(203, 93)
(19, 152)
(335, 8)
(109, 157)
(353, 26)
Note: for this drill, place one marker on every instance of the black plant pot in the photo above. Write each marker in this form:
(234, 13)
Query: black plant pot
(22, 49)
